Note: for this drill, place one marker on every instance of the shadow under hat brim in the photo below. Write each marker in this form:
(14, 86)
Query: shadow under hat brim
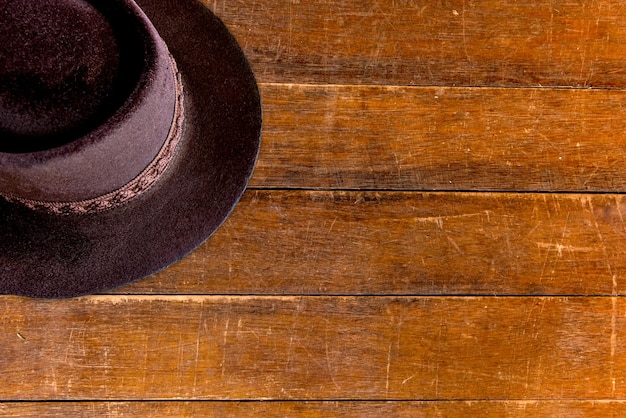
(56, 256)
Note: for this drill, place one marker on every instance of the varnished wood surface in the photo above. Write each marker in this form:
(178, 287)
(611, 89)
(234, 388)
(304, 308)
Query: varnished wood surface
(442, 138)
(177, 409)
(377, 348)
(435, 243)
(435, 227)
(452, 42)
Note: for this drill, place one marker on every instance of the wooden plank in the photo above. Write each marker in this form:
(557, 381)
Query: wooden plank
(415, 348)
(180, 409)
(371, 137)
(308, 242)
(456, 42)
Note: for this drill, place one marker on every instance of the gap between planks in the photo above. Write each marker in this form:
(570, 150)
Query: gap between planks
(289, 85)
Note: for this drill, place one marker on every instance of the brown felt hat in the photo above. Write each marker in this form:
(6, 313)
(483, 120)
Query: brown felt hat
(128, 132)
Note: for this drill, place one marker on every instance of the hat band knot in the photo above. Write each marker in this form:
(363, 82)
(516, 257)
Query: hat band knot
(138, 185)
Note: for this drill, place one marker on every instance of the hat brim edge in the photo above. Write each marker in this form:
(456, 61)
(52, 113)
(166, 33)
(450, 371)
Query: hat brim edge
(60, 256)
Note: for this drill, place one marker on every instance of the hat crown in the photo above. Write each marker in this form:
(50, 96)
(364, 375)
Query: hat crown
(63, 70)
(86, 106)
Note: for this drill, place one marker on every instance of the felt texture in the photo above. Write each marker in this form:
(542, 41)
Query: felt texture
(47, 255)
(116, 151)
(66, 66)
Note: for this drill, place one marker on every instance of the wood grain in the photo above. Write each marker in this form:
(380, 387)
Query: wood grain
(403, 138)
(181, 409)
(455, 42)
(435, 228)
(310, 242)
(412, 348)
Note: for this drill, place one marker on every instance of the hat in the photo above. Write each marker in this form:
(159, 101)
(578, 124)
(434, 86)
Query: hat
(128, 132)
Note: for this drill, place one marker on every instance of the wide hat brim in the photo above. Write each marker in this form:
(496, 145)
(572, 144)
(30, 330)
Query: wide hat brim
(55, 256)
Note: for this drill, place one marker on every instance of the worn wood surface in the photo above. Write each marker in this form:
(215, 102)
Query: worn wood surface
(178, 409)
(299, 347)
(442, 138)
(453, 42)
(435, 243)
(435, 228)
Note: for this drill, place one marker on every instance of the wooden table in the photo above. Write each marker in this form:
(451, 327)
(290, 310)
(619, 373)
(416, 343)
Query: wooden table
(435, 226)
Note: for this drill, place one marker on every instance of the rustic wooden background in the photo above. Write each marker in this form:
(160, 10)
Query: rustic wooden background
(435, 226)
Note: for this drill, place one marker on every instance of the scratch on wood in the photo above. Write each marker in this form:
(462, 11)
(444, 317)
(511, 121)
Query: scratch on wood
(224, 346)
(586, 201)
(408, 378)
(53, 383)
(198, 334)
(438, 220)
(614, 313)
(388, 368)
(439, 344)
(144, 366)
(467, 56)
(613, 326)
(292, 333)
(331, 373)
(560, 247)
(527, 374)
(332, 224)
(551, 25)
(454, 244)
(290, 29)
(398, 168)
(289, 351)
(67, 350)
(618, 206)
